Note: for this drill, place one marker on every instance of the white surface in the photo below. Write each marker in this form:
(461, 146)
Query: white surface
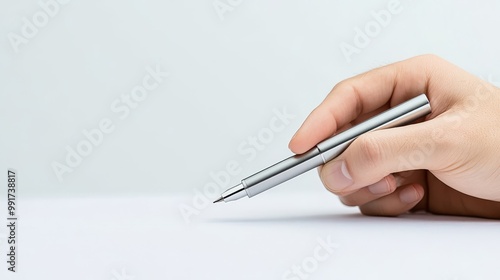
(258, 238)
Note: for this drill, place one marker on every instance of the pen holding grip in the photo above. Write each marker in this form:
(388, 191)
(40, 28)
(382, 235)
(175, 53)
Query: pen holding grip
(399, 115)
(327, 150)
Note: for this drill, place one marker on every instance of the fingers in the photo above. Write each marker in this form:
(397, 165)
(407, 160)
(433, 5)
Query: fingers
(362, 94)
(384, 199)
(362, 196)
(400, 201)
(377, 154)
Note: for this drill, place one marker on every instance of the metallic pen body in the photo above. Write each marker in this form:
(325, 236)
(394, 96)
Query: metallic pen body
(326, 150)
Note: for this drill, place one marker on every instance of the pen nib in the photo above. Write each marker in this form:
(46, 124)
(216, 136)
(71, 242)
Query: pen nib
(219, 200)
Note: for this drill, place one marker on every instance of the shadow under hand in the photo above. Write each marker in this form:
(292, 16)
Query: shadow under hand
(351, 218)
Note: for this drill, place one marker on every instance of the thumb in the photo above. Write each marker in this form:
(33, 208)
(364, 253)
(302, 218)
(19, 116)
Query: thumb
(375, 155)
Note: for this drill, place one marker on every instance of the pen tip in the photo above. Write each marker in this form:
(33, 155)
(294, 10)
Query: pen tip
(219, 200)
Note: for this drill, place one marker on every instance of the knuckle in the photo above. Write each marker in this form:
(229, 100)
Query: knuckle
(370, 150)
(429, 57)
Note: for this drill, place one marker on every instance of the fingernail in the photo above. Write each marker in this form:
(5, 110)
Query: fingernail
(409, 195)
(380, 187)
(338, 178)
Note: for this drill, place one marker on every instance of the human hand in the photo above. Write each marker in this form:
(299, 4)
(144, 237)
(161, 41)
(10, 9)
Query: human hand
(448, 163)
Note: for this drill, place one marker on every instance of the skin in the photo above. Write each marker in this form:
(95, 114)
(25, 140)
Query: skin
(447, 163)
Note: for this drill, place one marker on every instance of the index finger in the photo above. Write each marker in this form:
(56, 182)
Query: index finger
(364, 93)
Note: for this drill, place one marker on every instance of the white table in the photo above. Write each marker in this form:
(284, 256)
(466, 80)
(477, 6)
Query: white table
(146, 238)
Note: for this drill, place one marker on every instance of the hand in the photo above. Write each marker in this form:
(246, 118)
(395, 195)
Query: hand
(447, 163)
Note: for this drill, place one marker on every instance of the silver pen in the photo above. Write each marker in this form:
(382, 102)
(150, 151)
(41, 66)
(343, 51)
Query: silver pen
(326, 150)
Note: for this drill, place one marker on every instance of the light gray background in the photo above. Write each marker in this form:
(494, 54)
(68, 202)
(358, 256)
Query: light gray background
(227, 75)
(139, 204)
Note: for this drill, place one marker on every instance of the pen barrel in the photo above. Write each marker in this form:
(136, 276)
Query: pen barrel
(282, 171)
(330, 148)
(399, 115)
